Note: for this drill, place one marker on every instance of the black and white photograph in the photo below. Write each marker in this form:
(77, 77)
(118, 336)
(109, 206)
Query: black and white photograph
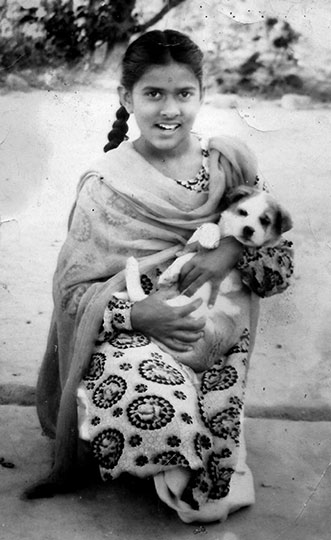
(165, 269)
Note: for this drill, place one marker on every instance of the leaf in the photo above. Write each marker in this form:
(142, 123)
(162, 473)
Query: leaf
(28, 18)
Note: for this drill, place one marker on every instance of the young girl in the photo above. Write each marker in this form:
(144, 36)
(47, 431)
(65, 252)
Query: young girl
(140, 411)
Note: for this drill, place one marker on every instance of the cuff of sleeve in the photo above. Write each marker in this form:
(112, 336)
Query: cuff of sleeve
(121, 311)
(248, 255)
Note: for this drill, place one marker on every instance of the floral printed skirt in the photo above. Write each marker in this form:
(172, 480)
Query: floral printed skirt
(145, 413)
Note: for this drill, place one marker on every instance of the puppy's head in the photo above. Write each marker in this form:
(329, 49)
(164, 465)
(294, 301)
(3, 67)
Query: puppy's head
(254, 217)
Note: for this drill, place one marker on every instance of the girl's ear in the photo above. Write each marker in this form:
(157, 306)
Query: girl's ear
(125, 97)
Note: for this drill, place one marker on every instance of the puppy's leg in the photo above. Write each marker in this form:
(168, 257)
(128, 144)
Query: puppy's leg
(171, 274)
(133, 285)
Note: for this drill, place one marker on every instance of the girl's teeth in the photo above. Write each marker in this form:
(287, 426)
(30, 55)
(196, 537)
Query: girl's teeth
(169, 128)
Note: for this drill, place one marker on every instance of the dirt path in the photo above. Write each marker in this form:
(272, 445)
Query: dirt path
(48, 138)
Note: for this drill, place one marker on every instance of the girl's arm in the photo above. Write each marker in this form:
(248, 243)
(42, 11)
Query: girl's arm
(210, 265)
(152, 316)
(266, 271)
(172, 326)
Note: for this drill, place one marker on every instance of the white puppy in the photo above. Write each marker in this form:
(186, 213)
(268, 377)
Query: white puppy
(255, 219)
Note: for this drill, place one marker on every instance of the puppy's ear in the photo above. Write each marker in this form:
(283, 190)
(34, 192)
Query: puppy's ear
(236, 194)
(283, 221)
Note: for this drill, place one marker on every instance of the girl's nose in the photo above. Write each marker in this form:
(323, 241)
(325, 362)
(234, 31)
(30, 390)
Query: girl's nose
(170, 108)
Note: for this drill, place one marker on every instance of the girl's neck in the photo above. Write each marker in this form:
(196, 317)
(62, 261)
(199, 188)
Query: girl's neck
(182, 162)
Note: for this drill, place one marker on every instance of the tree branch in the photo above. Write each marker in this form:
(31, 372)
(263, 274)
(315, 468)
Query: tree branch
(158, 16)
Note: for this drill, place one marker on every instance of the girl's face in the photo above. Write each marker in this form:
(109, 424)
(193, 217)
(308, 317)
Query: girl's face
(165, 102)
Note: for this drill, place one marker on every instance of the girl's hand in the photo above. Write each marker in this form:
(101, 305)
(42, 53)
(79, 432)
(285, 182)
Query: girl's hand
(210, 265)
(170, 325)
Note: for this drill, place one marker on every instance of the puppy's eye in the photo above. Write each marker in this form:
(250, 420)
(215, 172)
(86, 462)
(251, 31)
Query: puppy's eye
(242, 212)
(265, 221)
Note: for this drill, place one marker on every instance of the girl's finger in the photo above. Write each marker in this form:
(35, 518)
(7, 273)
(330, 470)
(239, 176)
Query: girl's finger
(185, 271)
(213, 294)
(187, 279)
(195, 285)
(191, 325)
(183, 311)
(177, 345)
(187, 337)
(186, 325)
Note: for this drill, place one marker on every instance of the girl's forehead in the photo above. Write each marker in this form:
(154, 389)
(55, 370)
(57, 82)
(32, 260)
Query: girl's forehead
(173, 74)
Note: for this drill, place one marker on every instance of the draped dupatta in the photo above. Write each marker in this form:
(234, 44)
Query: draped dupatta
(124, 207)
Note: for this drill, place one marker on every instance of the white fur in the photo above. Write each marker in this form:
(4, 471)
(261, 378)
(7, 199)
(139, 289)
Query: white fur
(258, 206)
(208, 235)
(233, 299)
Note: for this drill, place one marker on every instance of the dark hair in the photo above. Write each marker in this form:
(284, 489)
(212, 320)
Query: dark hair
(153, 48)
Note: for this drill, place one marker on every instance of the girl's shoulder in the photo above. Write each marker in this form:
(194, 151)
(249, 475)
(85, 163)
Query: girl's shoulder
(233, 148)
(236, 153)
(225, 145)
(118, 160)
(228, 142)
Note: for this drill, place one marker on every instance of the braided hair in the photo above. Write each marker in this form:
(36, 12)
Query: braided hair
(119, 129)
(152, 48)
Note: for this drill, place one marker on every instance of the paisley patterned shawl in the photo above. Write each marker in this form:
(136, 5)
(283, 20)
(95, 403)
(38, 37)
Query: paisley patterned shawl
(124, 207)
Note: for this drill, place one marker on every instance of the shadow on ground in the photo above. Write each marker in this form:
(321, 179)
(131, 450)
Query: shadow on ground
(290, 462)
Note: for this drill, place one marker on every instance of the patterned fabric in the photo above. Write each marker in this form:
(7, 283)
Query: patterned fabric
(143, 412)
(267, 271)
(201, 180)
(121, 211)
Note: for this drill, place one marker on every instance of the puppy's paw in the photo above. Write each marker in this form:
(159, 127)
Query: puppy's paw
(132, 278)
(131, 267)
(168, 277)
(171, 275)
(208, 235)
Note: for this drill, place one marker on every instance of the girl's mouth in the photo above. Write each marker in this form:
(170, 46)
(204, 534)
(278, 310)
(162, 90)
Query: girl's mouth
(168, 127)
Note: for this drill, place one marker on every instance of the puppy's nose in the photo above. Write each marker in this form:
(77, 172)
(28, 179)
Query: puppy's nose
(248, 231)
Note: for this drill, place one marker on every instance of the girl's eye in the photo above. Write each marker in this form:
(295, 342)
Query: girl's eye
(185, 94)
(155, 94)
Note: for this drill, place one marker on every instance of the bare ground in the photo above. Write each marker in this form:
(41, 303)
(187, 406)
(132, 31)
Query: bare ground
(47, 139)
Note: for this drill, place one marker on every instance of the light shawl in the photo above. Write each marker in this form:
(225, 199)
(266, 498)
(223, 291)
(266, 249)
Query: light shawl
(124, 207)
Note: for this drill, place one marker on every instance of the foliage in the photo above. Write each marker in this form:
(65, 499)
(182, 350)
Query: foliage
(267, 57)
(61, 30)
(243, 56)
(270, 61)
(76, 32)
